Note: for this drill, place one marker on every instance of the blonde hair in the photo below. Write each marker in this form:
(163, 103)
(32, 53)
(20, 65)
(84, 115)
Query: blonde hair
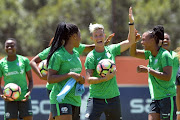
(93, 27)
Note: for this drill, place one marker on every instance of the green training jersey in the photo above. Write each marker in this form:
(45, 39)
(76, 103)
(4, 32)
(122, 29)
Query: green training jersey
(43, 55)
(108, 89)
(175, 59)
(15, 72)
(63, 62)
(160, 89)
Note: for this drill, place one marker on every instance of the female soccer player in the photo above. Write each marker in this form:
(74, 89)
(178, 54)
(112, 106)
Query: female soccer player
(14, 69)
(104, 92)
(166, 43)
(64, 63)
(161, 84)
(43, 55)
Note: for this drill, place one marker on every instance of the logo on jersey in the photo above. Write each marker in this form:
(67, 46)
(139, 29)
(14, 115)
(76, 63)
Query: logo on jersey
(155, 61)
(108, 54)
(70, 59)
(99, 58)
(19, 64)
(22, 72)
(75, 69)
(12, 73)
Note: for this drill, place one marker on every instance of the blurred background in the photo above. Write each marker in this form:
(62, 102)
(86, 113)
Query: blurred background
(33, 23)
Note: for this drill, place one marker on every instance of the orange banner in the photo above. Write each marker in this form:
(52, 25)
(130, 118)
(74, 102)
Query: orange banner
(126, 72)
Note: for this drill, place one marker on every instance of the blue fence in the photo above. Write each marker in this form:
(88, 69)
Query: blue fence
(134, 103)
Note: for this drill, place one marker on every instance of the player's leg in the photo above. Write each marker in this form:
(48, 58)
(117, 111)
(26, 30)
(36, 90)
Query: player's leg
(61, 111)
(50, 114)
(11, 110)
(154, 111)
(95, 107)
(25, 110)
(168, 108)
(113, 111)
(154, 116)
(75, 113)
(28, 118)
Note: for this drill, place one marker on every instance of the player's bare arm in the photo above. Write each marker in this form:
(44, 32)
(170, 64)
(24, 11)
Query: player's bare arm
(95, 80)
(165, 75)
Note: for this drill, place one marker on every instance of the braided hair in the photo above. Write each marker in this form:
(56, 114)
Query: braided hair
(63, 32)
(157, 33)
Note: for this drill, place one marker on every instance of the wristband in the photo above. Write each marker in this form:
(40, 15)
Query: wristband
(148, 69)
(131, 23)
(178, 113)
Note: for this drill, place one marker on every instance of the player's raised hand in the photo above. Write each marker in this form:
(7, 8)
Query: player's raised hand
(109, 38)
(131, 17)
(138, 36)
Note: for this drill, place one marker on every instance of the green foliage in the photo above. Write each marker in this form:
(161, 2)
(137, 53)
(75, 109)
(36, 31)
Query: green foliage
(149, 13)
(34, 22)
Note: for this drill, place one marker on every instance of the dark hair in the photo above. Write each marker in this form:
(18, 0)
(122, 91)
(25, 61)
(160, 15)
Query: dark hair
(157, 33)
(63, 33)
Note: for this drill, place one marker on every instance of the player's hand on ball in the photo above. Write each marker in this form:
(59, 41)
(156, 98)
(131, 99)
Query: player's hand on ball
(110, 75)
(43, 77)
(142, 69)
(6, 98)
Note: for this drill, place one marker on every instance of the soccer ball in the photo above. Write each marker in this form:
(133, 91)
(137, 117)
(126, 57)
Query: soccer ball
(43, 67)
(104, 65)
(12, 91)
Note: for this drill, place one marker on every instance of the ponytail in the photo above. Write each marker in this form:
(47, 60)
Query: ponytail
(157, 33)
(63, 33)
(58, 40)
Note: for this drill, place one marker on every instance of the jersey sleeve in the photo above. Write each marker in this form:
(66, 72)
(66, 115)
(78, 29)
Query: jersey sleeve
(166, 59)
(55, 62)
(115, 49)
(43, 55)
(89, 62)
(147, 54)
(80, 49)
(26, 62)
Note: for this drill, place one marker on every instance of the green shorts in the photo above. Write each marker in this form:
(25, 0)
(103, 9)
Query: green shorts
(110, 107)
(165, 107)
(17, 109)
